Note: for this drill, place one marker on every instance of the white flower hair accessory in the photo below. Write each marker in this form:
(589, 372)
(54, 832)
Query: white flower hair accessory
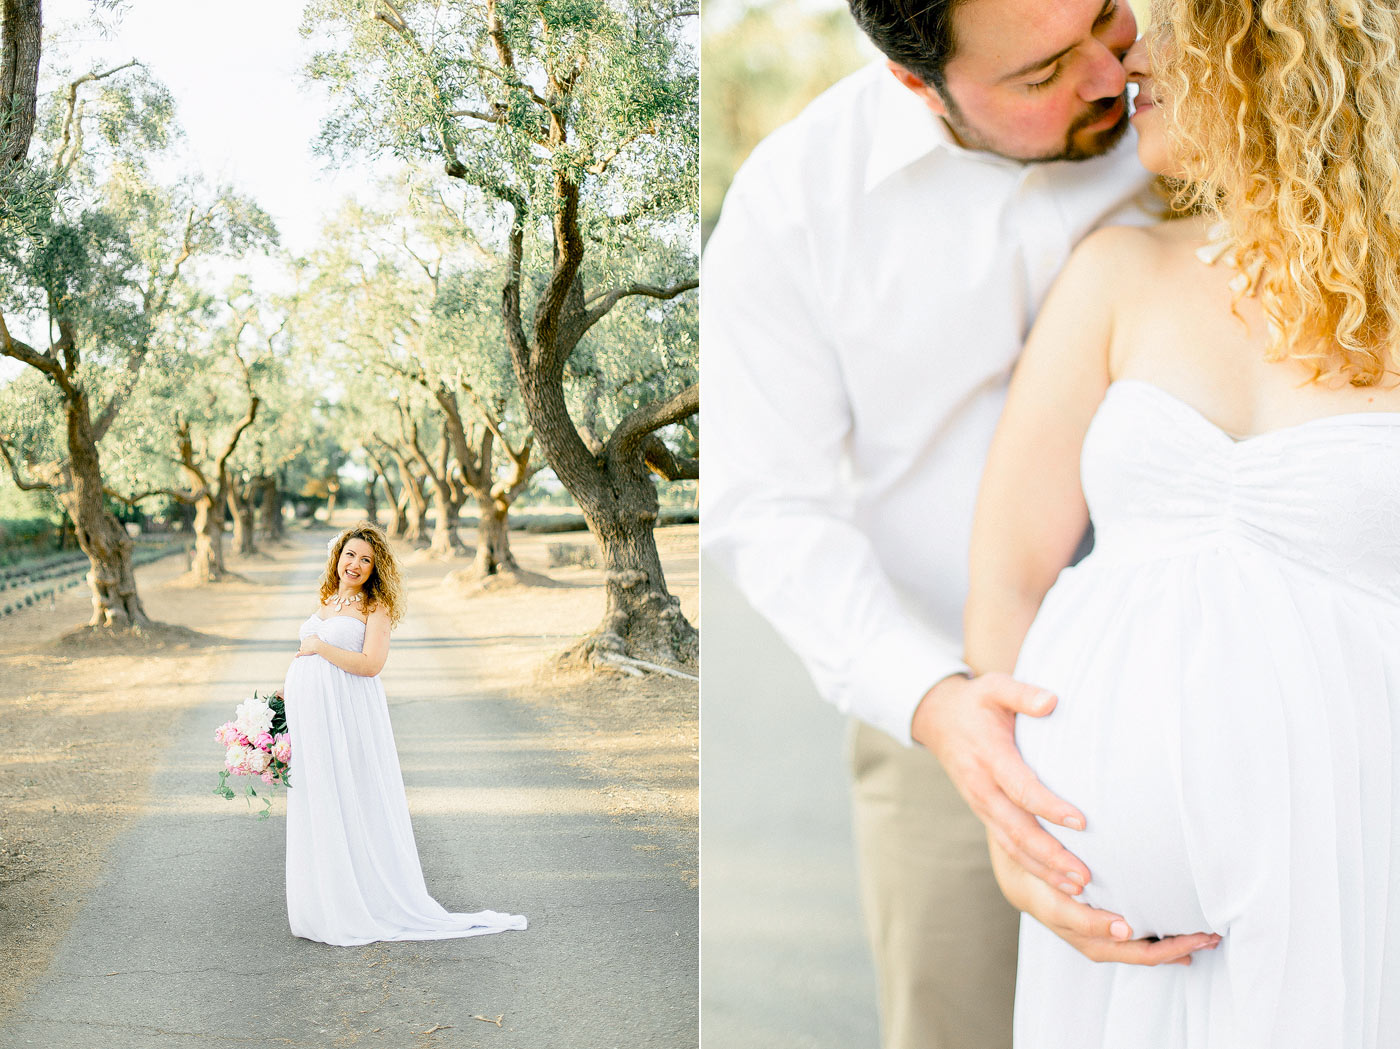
(330, 543)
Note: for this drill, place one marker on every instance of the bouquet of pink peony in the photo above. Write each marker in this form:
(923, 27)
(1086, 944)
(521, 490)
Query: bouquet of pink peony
(257, 743)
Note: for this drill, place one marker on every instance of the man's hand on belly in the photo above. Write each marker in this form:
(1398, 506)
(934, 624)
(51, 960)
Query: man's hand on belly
(970, 726)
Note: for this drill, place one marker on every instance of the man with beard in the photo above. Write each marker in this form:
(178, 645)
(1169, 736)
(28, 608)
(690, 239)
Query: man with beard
(876, 268)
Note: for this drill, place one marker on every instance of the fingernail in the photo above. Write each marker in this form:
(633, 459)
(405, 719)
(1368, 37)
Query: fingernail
(1076, 877)
(1068, 889)
(1074, 823)
(1120, 930)
(1043, 701)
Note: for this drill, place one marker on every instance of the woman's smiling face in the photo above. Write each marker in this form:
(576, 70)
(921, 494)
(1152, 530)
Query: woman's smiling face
(356, 563)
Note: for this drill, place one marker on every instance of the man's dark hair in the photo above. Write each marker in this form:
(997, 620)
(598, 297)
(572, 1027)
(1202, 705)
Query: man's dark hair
(917, 34)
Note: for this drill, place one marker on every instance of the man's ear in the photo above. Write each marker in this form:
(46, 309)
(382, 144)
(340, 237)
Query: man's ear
(914, 83)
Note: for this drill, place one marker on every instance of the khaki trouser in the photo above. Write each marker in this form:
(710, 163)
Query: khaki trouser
(943, 937)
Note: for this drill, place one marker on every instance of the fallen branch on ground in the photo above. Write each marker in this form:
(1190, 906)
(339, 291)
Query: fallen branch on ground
(634, 666)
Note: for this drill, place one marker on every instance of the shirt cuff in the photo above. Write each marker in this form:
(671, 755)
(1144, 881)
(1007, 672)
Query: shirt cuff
(894, 674)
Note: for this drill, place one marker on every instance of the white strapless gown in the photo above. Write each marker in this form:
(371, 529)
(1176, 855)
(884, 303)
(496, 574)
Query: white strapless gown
(353, 875)
(1228, 666)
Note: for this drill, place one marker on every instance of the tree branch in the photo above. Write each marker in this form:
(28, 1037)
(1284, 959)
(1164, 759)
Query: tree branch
(665, 463)
(642, 207)
(568, 258)
(133, 500)
(20, 483)
(605, 301)
(185, 446)
(154, 300)
(496, 116)
(432, 274)
(599, 166)
(493, 424)
(72, 120)
(625, 443)
(44, 362)
(388, 13)
(221, 465)
(496, 31)
(510, 294)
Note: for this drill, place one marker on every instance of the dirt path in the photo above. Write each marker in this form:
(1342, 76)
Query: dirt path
(548, 799)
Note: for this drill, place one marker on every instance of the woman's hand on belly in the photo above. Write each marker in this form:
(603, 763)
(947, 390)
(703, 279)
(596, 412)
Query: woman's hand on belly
(1100, 936)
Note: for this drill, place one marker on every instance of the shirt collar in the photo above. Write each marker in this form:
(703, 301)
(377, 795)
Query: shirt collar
(906, 131)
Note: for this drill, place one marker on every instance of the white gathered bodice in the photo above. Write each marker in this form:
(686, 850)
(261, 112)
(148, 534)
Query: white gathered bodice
(341, 631)
(1161, 479)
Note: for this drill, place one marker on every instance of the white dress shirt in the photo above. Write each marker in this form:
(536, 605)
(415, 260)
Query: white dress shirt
(864, 296)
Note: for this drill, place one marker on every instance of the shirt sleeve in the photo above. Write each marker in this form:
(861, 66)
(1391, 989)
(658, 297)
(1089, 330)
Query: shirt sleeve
(778, 500)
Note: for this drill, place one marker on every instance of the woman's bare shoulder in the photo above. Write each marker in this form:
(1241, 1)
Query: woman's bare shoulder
(1126, 250)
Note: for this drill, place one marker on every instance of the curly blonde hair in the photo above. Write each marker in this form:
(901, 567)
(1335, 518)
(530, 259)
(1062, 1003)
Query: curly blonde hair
(383, 587)
(1286, 114)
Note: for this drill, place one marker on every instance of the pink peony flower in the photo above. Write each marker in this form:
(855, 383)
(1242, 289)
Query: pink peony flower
(263, 741)
(226, 734)
(282, 748)
(267, 777)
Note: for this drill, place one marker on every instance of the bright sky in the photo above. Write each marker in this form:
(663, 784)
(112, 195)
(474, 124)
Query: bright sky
(249, 112)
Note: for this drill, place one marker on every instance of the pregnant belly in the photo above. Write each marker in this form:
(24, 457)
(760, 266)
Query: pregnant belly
(300, 674)
(1169, 737)
(1109, 749)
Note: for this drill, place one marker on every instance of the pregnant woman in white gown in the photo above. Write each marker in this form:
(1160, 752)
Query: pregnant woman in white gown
(353, 874)
(1219, 394)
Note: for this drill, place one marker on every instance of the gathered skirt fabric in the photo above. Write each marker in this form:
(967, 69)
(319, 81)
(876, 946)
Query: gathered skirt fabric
(353, 873)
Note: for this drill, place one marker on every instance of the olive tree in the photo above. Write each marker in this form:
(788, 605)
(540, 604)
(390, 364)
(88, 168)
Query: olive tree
(406, 297)
(573, 123)
(192, 415)
(85, 286)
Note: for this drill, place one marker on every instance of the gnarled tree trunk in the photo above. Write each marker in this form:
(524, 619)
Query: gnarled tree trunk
(476, 446)
(21, 36)
(207, 561)
(371, 502)
(242, 511)
(446, 541)
(447, 495)
(493, 538)
(414, 502)
(398, 524)
(115, 601)
(612, 485)
(332, 490)
(271, 511)
(210, 495)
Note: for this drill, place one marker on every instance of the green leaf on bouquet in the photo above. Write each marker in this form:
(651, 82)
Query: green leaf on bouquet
(267, 803)
(279, 714)
(228, 793)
